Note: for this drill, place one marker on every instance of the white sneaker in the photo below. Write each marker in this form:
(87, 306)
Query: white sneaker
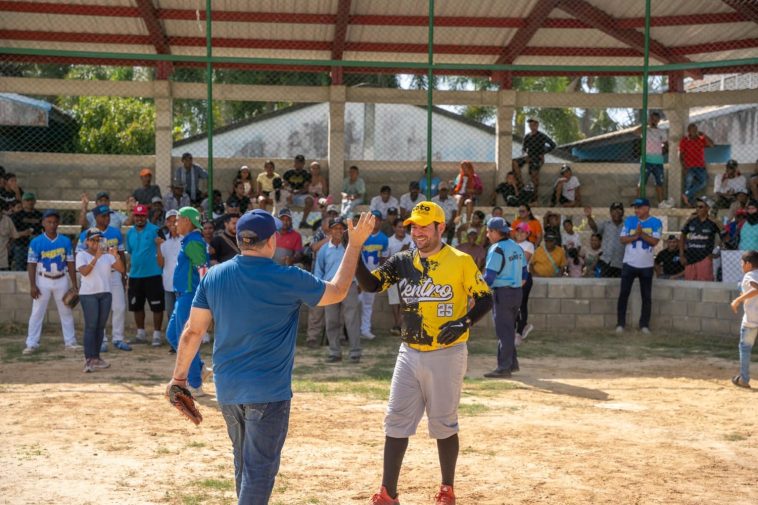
(527, 330)
(619, 329)
(74, 347)
(196, 392)
(645, 330)
(207, 373)
(157, 342)
(29, 350)
(368, 335)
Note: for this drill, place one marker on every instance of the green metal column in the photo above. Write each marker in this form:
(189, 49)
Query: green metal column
(209, 86)
(429, 102)
(645, 72)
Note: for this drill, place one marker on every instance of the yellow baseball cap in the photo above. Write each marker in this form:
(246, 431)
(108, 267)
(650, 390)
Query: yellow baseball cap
(425, 213)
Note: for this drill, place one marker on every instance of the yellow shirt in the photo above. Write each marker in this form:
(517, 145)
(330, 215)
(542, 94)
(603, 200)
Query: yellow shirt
(541, 265)
(432, 291)
(267, 184)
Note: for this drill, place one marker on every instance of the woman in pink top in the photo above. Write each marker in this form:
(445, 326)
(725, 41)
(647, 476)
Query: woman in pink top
(467, 187)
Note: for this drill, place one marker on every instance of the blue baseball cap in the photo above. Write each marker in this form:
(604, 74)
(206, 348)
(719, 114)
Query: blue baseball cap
(100, 210)
(377, 213)
(641, 202)
(256, 225)
(51, 212)
(499, 224)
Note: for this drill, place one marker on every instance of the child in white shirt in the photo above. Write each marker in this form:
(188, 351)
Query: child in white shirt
(749, 327)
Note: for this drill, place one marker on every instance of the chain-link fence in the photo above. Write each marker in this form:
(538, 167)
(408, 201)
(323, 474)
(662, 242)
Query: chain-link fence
(558, 106)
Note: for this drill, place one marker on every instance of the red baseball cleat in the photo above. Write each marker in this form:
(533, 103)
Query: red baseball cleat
(383, 498)
(445, 496)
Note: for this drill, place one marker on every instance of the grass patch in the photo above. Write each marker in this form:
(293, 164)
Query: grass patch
(735, 437)
(217, 484)
(473, 409)
(196, 445)
(194, 499)
(336, 386)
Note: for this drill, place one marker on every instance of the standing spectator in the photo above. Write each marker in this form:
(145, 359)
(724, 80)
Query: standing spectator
(748, 234)
(534, 147)
(95, 264)
(374, 253)
(656, 146)
(145, 281)
(610, 230)
(191, 259)
(112, 238)
(289, 242)
(50, 258)
(147, 191)
(384, 201)
(699, 236)
(7, 233)
(727, 185)
(504, 274)
(168, 254)
(388, 224)
(692, 156)
(593, 256)
(731, 236)
(523, 328)
(191, 174)
(317, 187)
(398, 241)
(476, 223)
(467, 187)
(296, 182)
(157, 214)
(749, 326)
(176, 198)
(668, 263)
(348, 311)
(449, 207)
(551, 223)
(10, 190)
(243, 174)
(473, 249)
(549, 259)
(422, 183)
(410, 199)
(87, 219)
(535, 228)
(570, 239)
(28, 223)
(224, 244)
(268, 187)
(640, 234)
(353, 192)
(239, 198)
(567, 190)
(739, 203)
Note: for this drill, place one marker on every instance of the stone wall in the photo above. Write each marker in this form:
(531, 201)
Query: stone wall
(555, 304)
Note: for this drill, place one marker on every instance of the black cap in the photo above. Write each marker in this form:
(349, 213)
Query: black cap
(414, 185)
(337, 220)
(551, 236)
(186, 155)
(300, 157)
(102, 194)
(732, 164)
(617, 205)
(392, 210)
(672, 237)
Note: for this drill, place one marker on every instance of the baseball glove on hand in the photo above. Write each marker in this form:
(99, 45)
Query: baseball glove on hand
(181, 399)
(71, 298)
(452, 330)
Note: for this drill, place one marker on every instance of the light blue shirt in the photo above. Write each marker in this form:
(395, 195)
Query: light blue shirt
(142, 250)
(328, 260)
(505, 264)
(639, 254)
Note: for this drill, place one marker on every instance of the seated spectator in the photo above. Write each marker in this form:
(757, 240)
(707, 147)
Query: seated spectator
(87, 219)
(692, 156)
(176, 198)
(384, 201)
(754, 182)
(157, 215)
(147, 190)
(566, 190)
(698, 241)
(224, 244)
(739, 203)
(247, 180)
(496, 212)
(289, 243)
(230, 208)
(388, 225)
(473, 249)
(239, 197)
(467, 187)
(449, 207)
(10, 191)
(576, 262)
(535, 228)
(353, 192)
(268, 187)
(209, 231)
(28, 223)
(569, 237)
(731, 234)
(434, 189)
(190, 174)
(7, 234)
(549, 259)
(593, 256)
(513, 192)
(727, 185)
(317, 188)
(477, 224)
(296, 181)
(668, 264)
(410, 199)
(552, 224)
(218, 206)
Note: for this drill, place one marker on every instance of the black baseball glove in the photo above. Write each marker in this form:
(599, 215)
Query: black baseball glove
(452, 330)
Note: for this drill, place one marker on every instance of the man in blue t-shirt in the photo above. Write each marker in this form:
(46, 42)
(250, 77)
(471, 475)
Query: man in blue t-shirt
(504, 272)
(640, 234)
(255, 304)
(374, 253)
(145, 281)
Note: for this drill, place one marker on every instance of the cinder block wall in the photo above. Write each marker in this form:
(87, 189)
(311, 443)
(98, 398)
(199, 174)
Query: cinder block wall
(555, 304)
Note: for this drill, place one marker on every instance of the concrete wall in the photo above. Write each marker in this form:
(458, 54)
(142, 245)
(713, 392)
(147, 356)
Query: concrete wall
(555, 304)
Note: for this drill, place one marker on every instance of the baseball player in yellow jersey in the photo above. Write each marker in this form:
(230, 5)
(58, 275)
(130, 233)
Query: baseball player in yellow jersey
(435, 283)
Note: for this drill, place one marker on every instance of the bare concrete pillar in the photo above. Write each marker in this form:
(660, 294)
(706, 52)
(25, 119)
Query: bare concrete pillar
(504, 134)
(336, 149)
(164, 105)
(677, 113)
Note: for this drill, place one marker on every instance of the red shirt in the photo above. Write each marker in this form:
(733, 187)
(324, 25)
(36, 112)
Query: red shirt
(290, 240)
(693, 151)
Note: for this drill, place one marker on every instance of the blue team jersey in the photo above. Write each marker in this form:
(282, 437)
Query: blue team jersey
(188, 262)
(51, 255)
(112, 235)
(639, 253)
(506, 259)
(374, 248)
(255, 305)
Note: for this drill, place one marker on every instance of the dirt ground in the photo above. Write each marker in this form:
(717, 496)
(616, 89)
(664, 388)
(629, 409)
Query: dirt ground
(595, 429)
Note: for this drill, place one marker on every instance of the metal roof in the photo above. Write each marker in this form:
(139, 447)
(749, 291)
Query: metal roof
(534, 32)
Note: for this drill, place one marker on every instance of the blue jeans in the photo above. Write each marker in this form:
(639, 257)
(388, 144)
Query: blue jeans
(96, 308)
(695, 181)
(628, 274)
(747, 339)
(179, 318)
(257, 432)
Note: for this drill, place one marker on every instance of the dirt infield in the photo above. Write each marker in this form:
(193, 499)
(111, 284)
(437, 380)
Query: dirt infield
(590, 419)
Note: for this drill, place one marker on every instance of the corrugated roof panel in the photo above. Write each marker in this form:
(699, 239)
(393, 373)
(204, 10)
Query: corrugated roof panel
(724, 55)
(68, 46)
(703, 34)
(364, 56)
(636, 9)
(485, 8)
(117, 3)
(261, 53)
(270, 31)
(473, 36)
(573, 38)
(393, 34)
(581, 61)
(391, 7)
(71, 24)
(309, 6)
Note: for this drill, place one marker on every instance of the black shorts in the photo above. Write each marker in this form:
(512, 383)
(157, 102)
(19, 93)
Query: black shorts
(142, 288)
(534, 166)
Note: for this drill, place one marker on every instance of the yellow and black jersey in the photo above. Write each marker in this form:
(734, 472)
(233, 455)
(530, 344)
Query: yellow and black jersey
(432, 291)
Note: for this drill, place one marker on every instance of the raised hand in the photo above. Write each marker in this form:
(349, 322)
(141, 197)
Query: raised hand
(358, 233)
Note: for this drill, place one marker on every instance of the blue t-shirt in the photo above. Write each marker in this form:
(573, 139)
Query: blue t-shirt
(639, 253)
(255, 305)
(511, 273)
(141, 247)
(435, 185)
(111, 234)
(51, 255)
(374, 248)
